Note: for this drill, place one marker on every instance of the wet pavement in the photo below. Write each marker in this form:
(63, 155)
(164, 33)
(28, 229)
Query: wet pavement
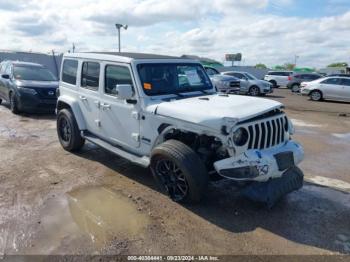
(93, 202)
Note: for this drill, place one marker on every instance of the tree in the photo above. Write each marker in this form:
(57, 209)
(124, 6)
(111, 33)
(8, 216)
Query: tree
(289, 66)
(261, 66)
(339, 64)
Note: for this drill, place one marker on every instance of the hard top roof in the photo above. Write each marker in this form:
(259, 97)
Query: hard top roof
(138, 55)
(124, 56)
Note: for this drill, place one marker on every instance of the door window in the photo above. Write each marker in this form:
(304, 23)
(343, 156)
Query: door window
(211, 71)
(238, 75)
(332, 81)
(69, 72)
(116, 75)
(90, 75)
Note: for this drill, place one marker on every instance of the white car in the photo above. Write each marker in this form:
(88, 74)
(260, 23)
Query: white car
(329, 88)
(163, 112)
(278, 78)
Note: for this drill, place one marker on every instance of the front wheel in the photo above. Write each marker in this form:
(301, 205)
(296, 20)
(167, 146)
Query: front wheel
(179, 171)
(68, 131)
(316, 95)
(14, 103)
(254, 91)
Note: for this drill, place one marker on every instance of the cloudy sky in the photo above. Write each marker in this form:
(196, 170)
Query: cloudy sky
(267, 31)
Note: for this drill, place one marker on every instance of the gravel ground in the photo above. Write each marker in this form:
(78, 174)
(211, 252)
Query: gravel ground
(93, 202)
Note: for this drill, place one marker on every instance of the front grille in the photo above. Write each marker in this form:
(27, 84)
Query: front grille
(267, 133)
(235, 84)
(46, 93)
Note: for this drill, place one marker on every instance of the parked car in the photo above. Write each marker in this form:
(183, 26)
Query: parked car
(297, 79)
(28, 87)
(329, 88)
(250, 84)
(163, 112)
(278, 78)
(343, 75)
(224, 84)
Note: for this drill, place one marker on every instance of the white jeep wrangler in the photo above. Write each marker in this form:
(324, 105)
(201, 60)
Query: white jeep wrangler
(162, 112)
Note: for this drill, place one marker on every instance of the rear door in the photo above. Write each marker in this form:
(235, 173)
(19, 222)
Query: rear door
(331, 88)
(282, 78)
(120, 119)
(89, 96)
(345, 90)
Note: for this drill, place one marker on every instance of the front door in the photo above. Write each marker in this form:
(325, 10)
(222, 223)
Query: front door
(120, 119)
(89, 96)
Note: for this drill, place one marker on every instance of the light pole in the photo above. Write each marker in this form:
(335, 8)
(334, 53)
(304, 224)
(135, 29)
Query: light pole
(296, 57)
(119, 26)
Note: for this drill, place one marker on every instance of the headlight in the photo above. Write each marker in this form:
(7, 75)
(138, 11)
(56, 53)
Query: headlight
(226, 83)
(291, 128)
(28, 90)
(240, 136)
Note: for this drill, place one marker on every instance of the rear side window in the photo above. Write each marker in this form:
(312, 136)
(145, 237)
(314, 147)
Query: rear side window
(346, 82)
(116, 75)
(69, 71)
(90, 75)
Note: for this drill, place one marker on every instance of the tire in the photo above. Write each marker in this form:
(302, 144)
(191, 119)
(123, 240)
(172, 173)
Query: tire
(68, 131)
(254, 91)
(0, 101)
(274, 83)
(295, 88)
(14, 104)
(316, 95)
(179, 172)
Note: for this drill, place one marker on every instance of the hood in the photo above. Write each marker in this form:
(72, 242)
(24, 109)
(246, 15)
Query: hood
(224, 78)
(39, 84)
(215, 110)
(258, 81)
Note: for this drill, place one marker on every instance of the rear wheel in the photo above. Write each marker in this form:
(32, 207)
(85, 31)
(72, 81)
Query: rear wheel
(274, 83)
(316, 95)
(295, 88)
(254, 91)
(14, 103)
(179, 171)
(68, 131)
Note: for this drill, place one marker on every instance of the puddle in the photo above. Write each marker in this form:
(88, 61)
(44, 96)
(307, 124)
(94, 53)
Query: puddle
(301, 123)
(94, 213)
(104, 214)
(342, 136)
(329, 182)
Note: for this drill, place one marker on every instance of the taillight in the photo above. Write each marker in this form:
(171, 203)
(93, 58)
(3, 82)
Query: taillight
(289, 78)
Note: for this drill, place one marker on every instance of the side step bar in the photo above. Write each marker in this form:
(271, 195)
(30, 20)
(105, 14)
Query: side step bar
(141, 161)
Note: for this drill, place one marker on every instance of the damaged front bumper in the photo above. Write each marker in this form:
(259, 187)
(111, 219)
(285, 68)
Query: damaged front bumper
(261, 165)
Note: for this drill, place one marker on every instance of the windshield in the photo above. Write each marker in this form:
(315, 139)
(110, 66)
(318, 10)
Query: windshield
(250, 77)
(163, 79)
(34, 73)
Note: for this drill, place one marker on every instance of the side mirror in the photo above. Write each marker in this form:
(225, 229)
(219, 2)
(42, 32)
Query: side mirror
(5, 76)
(124, 92)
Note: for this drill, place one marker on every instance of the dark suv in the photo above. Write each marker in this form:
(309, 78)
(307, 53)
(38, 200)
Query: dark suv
(296, 79)
(28, 87)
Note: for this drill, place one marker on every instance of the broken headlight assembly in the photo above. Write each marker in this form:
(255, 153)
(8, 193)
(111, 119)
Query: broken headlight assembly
(240, 136)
